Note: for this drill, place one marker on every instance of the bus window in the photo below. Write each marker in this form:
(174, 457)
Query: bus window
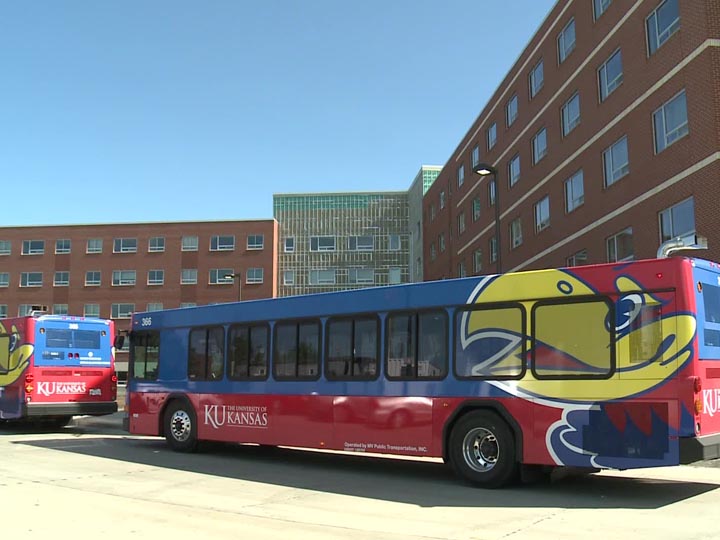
(646, 334)
(352, 351)
(296, 354)
(572, 339)
(711, 301)
(417, 345)
(206, 353)
(144, 355)
(247, 352)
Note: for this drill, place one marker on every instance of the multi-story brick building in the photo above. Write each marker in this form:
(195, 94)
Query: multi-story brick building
(604, 140)
(111, 270)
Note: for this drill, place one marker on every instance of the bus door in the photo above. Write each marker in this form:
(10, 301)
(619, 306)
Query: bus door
(707, 293)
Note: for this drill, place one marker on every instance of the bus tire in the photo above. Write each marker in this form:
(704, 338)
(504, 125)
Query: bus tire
(180, 426)
(482, 450)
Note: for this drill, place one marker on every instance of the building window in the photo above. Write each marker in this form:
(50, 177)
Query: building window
(516, 233)
(536, 79)
(5, 247)
(24, 310)
(566, 41)
(477, 261)
(620, 246)
(121, 311)
(218, 276)
(91, 310)
(123, 277)
(432, 212)
(491, 193)
(254, 275)
(60, 309)
(441, 242)
(394, 276)
(256, 241)
(31, 279)
(361, 243)
(476, 208)
(491, 135)
(156, 244)
(94, 245)
(154, 306)
(461, 222)
(616, 162)
(288, 277)
(461, 175)
(394, 242)
(3, 311)
(493, 249)
(189, 243)
(662, 23)
(61, 279)
(578, 259)
(322, 243)
(188, 276)
(511, 110)
(188, 304)
(33, 247)
(156, 277)
(361, 275)
(670, 122)
(475, 156)
(574, 191)
(542, 214)
(322, 277)
(125, 245)
(571, 114)
(539, 145)
(62, 245)
(461, 271)
(222, 243)
(433, 251)
(92, 278)
(610, 75)
(678, 220)
(599, 7)
(290, 244)
(442, 199)
(4, 279)
(514, 170)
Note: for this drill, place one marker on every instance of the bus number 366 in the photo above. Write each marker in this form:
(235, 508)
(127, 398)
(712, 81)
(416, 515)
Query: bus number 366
(146, 321)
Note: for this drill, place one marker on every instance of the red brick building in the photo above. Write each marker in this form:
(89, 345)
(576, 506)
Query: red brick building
(112, 270)
(605, 140)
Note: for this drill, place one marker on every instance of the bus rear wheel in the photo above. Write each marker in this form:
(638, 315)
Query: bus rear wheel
(180, 427)
(482, 450)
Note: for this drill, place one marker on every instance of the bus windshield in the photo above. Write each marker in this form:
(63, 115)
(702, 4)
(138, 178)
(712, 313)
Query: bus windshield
(74, 344)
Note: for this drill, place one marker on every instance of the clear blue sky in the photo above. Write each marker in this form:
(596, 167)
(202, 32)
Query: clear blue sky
(172, 110)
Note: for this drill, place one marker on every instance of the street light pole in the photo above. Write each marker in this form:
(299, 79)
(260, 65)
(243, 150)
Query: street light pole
(483, 169)
(236, 277)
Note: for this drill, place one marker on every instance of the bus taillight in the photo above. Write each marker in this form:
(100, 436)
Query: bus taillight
(28, 384)
(697, 384)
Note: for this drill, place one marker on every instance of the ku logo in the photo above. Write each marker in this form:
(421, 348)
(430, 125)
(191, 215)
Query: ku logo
(236, 416)
(711, 401)
(51, 388)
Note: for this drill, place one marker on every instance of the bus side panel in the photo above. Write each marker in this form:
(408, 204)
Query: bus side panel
(15, 360)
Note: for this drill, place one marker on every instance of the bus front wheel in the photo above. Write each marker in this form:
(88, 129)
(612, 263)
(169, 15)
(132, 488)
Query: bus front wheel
(180, 427)
(482, 450)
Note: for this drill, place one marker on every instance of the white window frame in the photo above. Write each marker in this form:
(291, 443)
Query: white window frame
(394, 242)
(536, 81)
(599, 7)
(361, 276)
(57, 278)
(669, 215)
(188, 276)
(288, 277)
(254, 276)
(60, 309)
(574, 184)
(33, 247)
(538, 153)
(661, 36)
(255, 242)
(156, 277)
(323, 243)
(511, 110)
(5, 247)
(4, 279)
(154, 306)
(361, 243)
(91, 310)
(461, 175)
(612, 172)
(321, 276)
(614, 239)
(3, 311)
(94, 245)
(475, 156)
(660, 123)
(63, 245)
(516, 233)
(542, 214)
(124, 278)
(394, 275)
(216, 276)
(31, 279)
(566, 47)
(491, 136)
(606, 86)
(579, 258)
(289, 244)
(442, 199)
(156, 244)
(461, 222)
(93, 283)
(514, 170)
(571, 114)
(476, 209)
(190, 243)
(121, 310)
(124, 245)
(222, 242)
(477, 261)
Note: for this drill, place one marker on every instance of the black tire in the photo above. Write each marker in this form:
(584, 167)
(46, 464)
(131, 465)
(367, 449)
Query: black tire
(482, 450)
(180, 426)
(58, 422)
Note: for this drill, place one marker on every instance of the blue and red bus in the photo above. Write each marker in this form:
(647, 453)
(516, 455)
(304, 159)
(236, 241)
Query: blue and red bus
(593, 367)
(53, 367)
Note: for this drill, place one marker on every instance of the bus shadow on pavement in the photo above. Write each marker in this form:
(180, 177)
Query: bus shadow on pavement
(422, 483)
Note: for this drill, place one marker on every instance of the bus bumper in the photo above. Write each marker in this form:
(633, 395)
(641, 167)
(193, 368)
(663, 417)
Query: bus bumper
(93, 408)
(694, 449)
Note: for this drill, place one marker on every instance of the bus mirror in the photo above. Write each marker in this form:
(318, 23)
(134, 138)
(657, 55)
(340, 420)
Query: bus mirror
(119, 342)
